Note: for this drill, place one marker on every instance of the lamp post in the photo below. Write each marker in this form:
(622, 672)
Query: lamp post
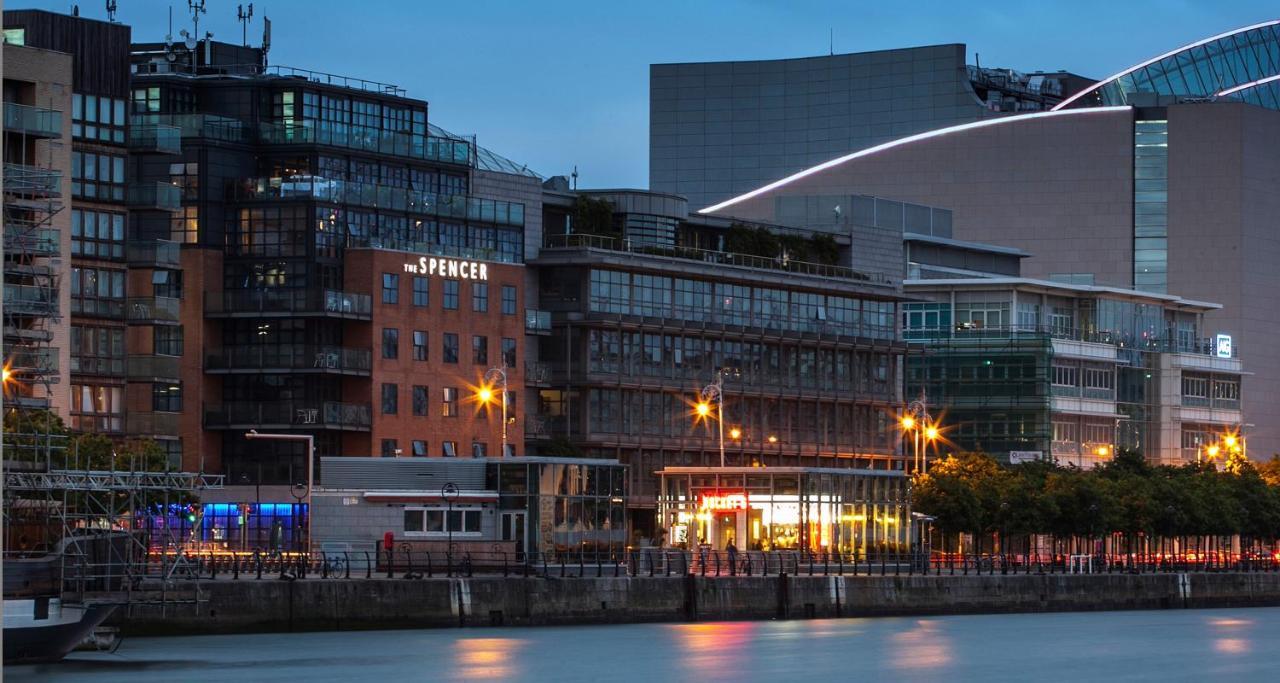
(311, 466)
(498, 376)
(916, 422)
(714, 392)
(448, 492)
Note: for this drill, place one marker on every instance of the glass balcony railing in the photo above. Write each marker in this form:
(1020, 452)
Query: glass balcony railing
(154, 254)
(156, 137)
(331, 303)
(142, 367)
(302, 357)
(22, 118)
(537, 321)
(207, 126)
(30, 300)
(1152, 340)
(152, 424)
(32, 181)
(24, 360)
(381, 197)
(290, 414)
(31, 241)
(152, 309)
(426, 147)
(161, 196)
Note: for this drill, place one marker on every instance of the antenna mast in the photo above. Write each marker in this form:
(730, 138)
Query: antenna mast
(111, 11)
(244, 18)
(197, 8)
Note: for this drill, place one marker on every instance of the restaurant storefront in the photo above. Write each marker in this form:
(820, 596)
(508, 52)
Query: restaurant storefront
(785, 508)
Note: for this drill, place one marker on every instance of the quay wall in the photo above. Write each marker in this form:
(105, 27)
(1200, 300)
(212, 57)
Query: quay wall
(227, 606)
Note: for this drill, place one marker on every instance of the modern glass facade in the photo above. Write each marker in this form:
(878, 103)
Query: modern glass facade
(1242, 63)
(1151, 205)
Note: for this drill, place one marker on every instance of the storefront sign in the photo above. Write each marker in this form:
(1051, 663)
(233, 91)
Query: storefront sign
(447, 267)
(1223, 346)
(1018, 457)
(722, 501)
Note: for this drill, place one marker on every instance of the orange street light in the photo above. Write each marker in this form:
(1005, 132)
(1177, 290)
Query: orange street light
(1101, 451)
(484, 395)
(703, 409)
(773, 438)
(735, 433)
(908, 423)
(1212, 451)
(931, 433)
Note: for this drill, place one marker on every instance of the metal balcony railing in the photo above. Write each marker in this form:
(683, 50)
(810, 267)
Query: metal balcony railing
(155, 195)
(328, 302)
(157, 137)
(154, 254)
(30, 300)
(152, 309)
(303, 357)
(295, 414)
(537, 372)
(142, 367)
(32, 181)
(35, 121)
(32, 241)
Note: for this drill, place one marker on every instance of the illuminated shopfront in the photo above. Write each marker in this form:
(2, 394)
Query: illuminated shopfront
(785, 508)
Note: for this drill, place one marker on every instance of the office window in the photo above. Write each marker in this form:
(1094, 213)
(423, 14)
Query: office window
(480, 297)
(419, 449)
(166, 398)
(450, 352)
(449, 406)
(390, 343)
(97, 234)
(451, 295)
(166, 340)
(390, 398)
(97, 176)
(389, 448)
(419, 345)
(449, 449)
(480, 350)
(419, 400)
(509, 352)
(421, 291)
(479, 450)
(508, 300)
(390, 288)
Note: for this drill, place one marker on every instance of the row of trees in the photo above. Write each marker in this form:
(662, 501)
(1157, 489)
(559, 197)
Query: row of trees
(972, 493)
(760, 241)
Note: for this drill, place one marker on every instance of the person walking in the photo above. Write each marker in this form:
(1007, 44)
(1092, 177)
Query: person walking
(733, 557)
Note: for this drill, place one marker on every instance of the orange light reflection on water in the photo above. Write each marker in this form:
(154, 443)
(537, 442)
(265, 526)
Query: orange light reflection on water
(481, 659)
(712, 650)
(923, 647)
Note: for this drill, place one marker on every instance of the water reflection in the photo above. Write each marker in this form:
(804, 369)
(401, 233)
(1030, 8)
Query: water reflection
(482, 659)
(714, 650)
(924, 647)
(1229, 630)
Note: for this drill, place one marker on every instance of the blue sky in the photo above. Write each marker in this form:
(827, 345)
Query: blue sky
(558, 83)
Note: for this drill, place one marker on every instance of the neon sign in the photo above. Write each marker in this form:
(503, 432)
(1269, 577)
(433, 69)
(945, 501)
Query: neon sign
(722, 501)
(444, 267)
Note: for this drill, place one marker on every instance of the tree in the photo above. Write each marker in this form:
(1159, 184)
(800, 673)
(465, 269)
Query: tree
(1270, 471)
(594, 217)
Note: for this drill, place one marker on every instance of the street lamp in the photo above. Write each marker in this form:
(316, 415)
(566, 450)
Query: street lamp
(498, 376)
(714, 392)
(917, 422)
(448, 492)
(311, 466)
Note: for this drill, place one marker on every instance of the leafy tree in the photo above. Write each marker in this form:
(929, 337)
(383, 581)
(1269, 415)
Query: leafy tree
(593, 216)
(1270, 471)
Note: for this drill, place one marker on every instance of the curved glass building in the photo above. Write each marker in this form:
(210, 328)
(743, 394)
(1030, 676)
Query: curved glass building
(1244, 63)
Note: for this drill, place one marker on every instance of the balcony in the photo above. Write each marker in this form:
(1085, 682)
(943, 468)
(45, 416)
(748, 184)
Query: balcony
(32, 181)
(155, 195)
(243, 303)
(33, 121)
(28, 361)
(426, 147)
(537, 322)
(290, 358)
(386, 197)
(290, 415)
(203, 126)
(154, 254)
(32, 241)
(152, 424)
(153, 310)
(30, 300)
(154, 368)
(156, 137)
(537, 373)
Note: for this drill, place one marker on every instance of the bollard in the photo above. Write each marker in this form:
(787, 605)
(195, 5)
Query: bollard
(324, 570)
(213, 567)
(504, 563)
(581, 571)
(390, 561)
(257, 558)
(430, 569)
(562, 565)
(826, 563)
(346, 560)
(368, 565)
(235, 567)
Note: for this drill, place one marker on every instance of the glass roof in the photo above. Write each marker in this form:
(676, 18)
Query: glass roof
(1243, 63)
(487, 159)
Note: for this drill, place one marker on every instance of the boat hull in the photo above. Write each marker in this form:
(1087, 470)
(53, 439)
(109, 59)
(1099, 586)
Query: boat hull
(64, 627)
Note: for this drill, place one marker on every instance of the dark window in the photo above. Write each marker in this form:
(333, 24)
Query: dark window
(508, 300)
(479, 450)
(97, 234)
(97, 176)
(390, 398)
(480, 297)
(166, 398)
(480, 350)
(167, 283)
(449, 406)
(509, 352)
(166, 340)
(100, 292)
(389, 448)
(421, 291)
(390, 288)
(450, 347)
(390, 342)
(420, 345)
(419, 400)
(451, 295)
(419, 449)
(449, 449)
(99, 350)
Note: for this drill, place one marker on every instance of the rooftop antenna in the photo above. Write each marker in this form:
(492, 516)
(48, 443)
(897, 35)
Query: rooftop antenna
(111, 11)
(75, 10)
(244, 18)
(197, 8)
(574, 175)
(266, 38)
(831, 42)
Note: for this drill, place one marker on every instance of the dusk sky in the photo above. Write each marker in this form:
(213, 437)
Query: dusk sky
(559, 84)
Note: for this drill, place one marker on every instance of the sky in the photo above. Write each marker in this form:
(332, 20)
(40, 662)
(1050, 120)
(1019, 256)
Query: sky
(556, 84)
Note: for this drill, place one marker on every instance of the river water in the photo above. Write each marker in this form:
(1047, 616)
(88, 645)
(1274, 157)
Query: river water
(1206, 645)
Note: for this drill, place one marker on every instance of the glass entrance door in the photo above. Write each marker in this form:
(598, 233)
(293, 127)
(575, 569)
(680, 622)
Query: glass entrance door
(513, 529)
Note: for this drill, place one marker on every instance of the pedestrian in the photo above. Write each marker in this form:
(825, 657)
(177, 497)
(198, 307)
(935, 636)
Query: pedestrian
(733, 557)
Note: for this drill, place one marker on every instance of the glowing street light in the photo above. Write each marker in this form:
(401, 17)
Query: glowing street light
(735, 433)
(908, 422)
(714, 392)
(916, 422)
(773, 438)
(496, 376)
(931, 433)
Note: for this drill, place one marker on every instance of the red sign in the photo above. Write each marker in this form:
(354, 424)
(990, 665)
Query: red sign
(722, 501)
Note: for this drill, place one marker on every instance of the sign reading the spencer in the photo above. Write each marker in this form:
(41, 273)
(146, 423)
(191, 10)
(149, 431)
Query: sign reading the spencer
(447, 267)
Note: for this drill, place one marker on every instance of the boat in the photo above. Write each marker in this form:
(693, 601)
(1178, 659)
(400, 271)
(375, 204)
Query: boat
(41, 623)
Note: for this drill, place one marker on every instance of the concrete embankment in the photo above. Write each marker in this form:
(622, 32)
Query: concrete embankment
(307, 605)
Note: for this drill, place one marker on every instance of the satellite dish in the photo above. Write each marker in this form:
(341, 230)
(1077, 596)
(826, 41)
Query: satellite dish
(188, 39)
(170, 55)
